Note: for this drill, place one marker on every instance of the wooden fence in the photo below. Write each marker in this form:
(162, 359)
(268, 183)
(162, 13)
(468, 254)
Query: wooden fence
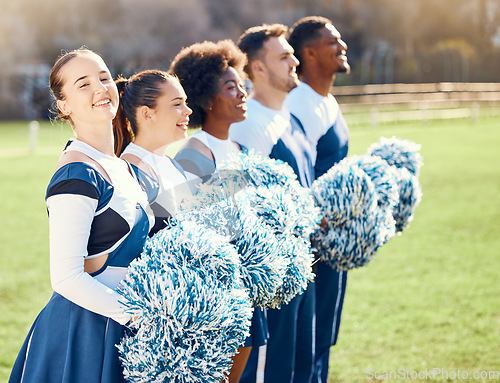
(410, 102)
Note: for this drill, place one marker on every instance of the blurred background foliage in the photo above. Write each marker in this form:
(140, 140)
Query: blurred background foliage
(390, 41)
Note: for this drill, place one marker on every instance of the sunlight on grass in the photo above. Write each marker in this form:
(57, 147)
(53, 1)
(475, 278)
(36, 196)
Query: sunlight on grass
(428, 299)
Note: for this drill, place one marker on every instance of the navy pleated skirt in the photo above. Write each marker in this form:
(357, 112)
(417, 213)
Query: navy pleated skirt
(69, 344)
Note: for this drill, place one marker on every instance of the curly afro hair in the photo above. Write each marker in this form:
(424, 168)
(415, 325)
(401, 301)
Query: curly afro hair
(199, 68)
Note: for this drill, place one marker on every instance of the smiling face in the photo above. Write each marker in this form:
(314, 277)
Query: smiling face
(170, 116)
(90, 94)
(331, 51)
(280, 63)
(229, 104)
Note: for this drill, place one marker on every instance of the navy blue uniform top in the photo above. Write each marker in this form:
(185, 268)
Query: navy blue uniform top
(275, 134)
(324, 126)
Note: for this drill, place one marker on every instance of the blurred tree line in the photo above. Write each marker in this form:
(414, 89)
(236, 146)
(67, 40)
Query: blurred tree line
(390, 41)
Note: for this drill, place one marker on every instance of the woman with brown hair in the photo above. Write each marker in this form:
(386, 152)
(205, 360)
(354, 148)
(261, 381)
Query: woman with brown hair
(98, 225)
(153, 114)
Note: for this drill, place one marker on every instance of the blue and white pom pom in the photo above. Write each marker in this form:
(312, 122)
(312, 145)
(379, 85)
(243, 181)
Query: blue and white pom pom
(283, 205)
(343, 193)
(354, 243)
(299, 271)
(399, 152)
(259, 170)
(278, 211)
(285, 212)
(190, 325)
(198, 247)
(354, 227)
(410, 195)
(383, 176)
(262, 267)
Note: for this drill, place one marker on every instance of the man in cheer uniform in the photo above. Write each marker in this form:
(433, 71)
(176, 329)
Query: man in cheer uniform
(269, 130)
(321, 53)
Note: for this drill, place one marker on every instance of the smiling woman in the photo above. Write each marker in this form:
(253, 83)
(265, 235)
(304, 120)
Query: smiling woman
(98, 225)
(85, 93)
(153, 114)
(211, 73)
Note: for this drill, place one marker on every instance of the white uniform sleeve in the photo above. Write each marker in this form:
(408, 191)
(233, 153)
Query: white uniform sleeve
(251, 136)
(70, 219)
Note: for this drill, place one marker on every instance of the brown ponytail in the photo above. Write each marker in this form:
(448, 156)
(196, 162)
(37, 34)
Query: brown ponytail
(122, 130)
(141, 89)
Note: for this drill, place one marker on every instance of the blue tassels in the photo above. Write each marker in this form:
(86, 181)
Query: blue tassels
(399, 152)
(261, 266)
(353, 228)
(405, 157)
(365, 200)
(288, 209)
(193, 313)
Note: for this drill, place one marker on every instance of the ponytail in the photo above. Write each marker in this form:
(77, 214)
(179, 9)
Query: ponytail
(141, 89)
(122, 130)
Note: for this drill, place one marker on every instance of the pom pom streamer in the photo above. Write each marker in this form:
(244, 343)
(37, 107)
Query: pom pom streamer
(284, 209)
(355, 227)
(363, 213)
(278, 211)
(191, 326)
(399, 152)
(299, 272)
(289, 209)
(262, 266)
(383, 176)
(356, 242)
(343, 193)
(410, 195)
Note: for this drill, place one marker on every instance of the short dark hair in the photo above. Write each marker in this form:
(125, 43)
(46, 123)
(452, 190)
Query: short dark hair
(253, 39)
(199, 68)
(303, 32)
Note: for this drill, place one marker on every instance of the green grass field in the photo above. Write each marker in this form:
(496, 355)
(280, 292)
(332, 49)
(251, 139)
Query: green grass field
(430, 299)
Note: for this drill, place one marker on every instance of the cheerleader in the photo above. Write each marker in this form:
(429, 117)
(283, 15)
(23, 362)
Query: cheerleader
(98, 225)
(153, 114)
(271, 132)
(211, 74)
(322, 54)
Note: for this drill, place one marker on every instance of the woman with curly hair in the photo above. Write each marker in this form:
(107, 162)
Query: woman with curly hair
(211, 74)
